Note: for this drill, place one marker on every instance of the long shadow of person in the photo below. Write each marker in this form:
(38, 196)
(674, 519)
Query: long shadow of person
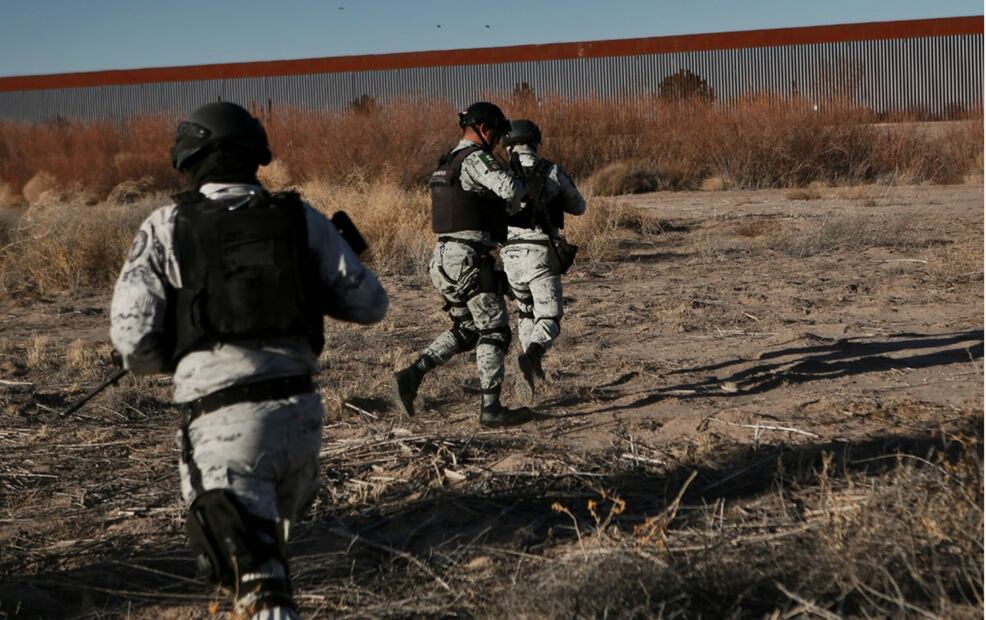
(824, 361)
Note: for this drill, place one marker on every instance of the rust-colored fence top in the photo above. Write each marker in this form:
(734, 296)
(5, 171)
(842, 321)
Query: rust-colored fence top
(493, 55)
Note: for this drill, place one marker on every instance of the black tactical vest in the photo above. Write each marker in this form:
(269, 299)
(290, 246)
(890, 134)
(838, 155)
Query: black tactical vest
(453, 209)
(246, 273)
(555, 208)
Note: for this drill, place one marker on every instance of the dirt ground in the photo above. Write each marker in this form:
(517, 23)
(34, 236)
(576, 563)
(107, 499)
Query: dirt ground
(754, 337)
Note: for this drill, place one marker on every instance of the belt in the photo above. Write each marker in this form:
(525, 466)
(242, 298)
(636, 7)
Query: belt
(479, 248)
(543, 242)
(269, 389)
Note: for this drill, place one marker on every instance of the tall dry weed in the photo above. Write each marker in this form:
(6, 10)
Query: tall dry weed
(395, 221)
(757, 141)
(69, 245)
(600, 232)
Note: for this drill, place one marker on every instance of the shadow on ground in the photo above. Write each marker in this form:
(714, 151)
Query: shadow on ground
(827, 360)
(384, 555)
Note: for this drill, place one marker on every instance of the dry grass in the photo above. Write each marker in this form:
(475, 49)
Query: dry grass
(600, 232)
(36, 353)
(905, 542)
(956, 264)
(395, 221)
(803, 194)
(130, 191)
(841, 231)
(64, 246)
(275, 176)
(43, 187)
(87, 355)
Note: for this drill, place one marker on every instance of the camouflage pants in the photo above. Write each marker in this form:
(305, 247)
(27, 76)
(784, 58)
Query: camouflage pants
(537, 291)
(266, 453)
(479, 318)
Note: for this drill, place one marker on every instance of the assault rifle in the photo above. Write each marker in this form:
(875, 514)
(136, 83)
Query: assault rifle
(347, 230)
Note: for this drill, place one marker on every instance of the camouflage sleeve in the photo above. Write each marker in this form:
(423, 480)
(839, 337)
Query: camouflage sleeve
(482, 171)
(574, 203)
(351, 291)
(142, 294)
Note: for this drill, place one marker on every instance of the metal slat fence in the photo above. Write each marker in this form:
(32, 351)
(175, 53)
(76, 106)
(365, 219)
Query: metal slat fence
(934, 76)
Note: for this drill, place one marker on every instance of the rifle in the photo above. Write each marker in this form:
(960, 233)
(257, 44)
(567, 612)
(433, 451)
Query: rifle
(116, 376)
(348, 231)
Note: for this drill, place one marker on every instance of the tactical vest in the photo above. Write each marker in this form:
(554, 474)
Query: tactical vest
(246, 273)
(453, 209)
(555, 208)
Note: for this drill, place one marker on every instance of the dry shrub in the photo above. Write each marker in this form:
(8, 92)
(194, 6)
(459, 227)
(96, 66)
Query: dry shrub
(713, 184)
(394, 221)
(756, 227)
(956, 263)
(8, 197)
(624, 177)
(600, 231)
(64, 246)
(9, 219)
(842, 231)
(275, 176)
(95, 155)
(36, 353)
(635, 177)
(804, 193)
(130, 191)
(41, 188)
(85, 355)
(756, 141)
(401, 140)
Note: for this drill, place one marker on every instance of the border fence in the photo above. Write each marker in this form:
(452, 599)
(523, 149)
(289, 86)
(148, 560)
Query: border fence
(931, 69)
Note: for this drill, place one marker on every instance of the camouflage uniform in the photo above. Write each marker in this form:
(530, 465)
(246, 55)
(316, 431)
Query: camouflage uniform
(535, 288)
(266, 453)
(454, 272)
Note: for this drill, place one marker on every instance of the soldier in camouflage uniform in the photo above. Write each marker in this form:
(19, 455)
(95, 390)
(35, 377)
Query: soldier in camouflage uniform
(472, 193)
(227, 290)
(531, 253)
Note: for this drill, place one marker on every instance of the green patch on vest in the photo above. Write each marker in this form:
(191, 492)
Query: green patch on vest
(492, 165)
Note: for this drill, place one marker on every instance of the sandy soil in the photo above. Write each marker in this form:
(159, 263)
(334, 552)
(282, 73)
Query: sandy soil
(752, 326)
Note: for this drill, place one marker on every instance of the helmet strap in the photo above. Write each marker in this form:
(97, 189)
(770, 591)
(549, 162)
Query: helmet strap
(486, 145)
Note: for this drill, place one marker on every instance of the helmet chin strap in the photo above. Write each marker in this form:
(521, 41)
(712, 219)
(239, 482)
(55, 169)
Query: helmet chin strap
(486, 145)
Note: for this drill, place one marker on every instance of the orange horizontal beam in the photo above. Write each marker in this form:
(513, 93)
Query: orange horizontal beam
(517, 53)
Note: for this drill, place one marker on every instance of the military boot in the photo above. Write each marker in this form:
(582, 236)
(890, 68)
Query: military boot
(494, 414)
(530, 367)
(405, 384)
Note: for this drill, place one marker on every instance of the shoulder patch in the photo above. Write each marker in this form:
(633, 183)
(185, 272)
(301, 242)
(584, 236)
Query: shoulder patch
(138, 247)
(492, 165)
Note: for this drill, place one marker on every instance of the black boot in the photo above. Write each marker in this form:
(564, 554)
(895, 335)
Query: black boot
(405, 384)
(530, 366)
(494, 414)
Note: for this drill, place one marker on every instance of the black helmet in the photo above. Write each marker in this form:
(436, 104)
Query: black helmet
(484, 112)
(220, 124)
(522, 132)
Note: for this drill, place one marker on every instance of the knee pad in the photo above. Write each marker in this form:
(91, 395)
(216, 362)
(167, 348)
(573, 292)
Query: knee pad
(499, 337)
(229, 543)
(466, 338)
